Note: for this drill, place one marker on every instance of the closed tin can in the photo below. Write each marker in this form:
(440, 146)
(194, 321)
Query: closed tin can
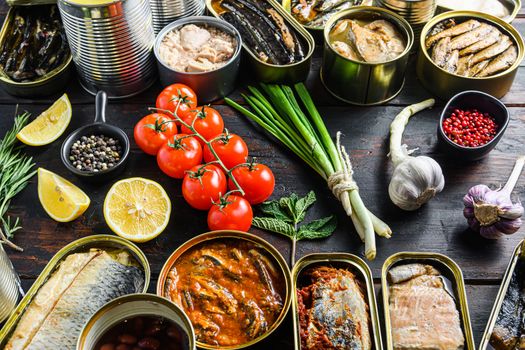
(416, 12)
(9, 285)
(225, 235)
(363, 83)
(338, 260)
(519, 253)
(210, 85)
(444, 84)
(80, 245)
(448, 269)
(129, 306)
(507, 10)
(166, 11)
(273, 73)
(46, 85)
(112, 44)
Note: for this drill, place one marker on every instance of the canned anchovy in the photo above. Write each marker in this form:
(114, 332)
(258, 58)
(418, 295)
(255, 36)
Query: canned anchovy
(373, 73)
(9, 285)
(138, 319)
(79, 279)
(465, 50)
(346, 289)
(505, 328)
(244, 279)
(425, 303)
(284, 47)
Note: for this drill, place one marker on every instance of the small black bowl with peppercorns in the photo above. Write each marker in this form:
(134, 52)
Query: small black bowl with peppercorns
(471, 125)
(96, 151)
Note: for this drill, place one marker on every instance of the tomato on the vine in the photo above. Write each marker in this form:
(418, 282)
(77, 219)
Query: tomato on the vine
(174, 158)
(203, 185)
(153, 131)
(207, 121)
(230, 213)
(177, 95)
(230, 148)
(256, 180)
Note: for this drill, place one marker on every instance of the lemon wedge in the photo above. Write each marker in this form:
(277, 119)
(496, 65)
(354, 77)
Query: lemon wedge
(137, 209)
(61, 200)
(49, 125)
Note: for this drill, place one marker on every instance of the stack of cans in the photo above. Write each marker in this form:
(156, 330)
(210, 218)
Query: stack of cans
(166, 11)
(111, 43)
(9, 285)
(416, 12)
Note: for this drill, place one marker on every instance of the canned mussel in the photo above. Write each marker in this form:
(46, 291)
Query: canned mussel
(77, 281)
(506, 328)
(365, 55)
(235, 288)
(334, 303)
(279, 49)
(464, 50)
(425, 303)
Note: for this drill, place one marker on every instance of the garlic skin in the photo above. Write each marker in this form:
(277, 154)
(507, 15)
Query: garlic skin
(415, 181)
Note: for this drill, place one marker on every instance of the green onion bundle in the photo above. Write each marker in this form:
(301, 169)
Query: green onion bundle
(277, 110)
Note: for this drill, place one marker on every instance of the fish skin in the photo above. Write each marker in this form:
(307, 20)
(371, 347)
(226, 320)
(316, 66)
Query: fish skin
(464, 40)
(406, 272)
(101, 280)
(257, 323)
(452, 31)
(485, 42)
(478, 67)
(451, 65)
(440, 52)
(464, 65)
(504, 61)
(493, 50)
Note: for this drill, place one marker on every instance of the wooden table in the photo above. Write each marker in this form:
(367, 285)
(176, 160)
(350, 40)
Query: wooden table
(438, 227)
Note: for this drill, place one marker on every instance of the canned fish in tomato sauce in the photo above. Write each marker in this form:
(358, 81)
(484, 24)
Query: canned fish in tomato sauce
(427, 288)
(339, 281)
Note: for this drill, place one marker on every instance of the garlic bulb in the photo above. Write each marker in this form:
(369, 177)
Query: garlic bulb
(415, 180)
(491, 212)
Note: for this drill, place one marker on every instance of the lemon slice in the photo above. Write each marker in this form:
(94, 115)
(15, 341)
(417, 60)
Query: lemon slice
(61, 200)
(137, 209)
(49, 125)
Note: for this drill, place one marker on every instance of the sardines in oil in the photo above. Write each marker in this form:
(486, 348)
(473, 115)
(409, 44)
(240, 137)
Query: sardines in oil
(334, 305)
(425, 303)
(264, 30)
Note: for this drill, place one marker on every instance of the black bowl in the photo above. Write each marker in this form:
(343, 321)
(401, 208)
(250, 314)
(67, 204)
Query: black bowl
(99, 127)
(484, 103)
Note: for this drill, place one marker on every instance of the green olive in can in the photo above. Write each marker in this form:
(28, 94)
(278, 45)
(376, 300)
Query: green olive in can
(445, 84)
(355, 81)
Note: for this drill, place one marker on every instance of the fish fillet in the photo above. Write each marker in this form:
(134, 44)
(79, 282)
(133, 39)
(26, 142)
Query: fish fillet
(452, 31)
(464, 40)
(501, 62)
(82, 284)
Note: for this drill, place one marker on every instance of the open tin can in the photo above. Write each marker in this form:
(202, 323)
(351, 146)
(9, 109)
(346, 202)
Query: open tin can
(452, 277)
(444, 84)
(507, 10)
(350, 262)
(363, 83)
(130, 306)
(518, 254)
(231, 236)
(274, 73)
(78, 246)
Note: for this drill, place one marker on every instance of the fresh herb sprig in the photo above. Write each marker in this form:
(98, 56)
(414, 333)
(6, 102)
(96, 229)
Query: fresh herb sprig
(16, 168)
(285, 215)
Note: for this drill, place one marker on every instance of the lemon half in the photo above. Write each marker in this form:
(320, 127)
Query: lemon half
(137, 209)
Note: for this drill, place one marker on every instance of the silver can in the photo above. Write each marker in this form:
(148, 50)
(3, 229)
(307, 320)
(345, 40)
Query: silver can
(129, 306)
(166, 11)
(9, 285)
(416, 12)
(210, 85)
(111, 43)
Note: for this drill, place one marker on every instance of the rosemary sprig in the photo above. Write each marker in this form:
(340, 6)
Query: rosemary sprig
(16, 168)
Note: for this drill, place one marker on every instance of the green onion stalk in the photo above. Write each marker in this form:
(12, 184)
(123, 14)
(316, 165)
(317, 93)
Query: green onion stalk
(277, 110)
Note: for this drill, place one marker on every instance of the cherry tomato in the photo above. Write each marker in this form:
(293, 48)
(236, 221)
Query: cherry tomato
(231, 213)
(174, 94)
(174, 158)
(150, 133)
(256, 180)
(208, 122)
(203, 185)
(230, 148)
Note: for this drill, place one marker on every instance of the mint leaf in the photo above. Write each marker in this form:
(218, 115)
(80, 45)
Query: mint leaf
(302, 205)
(274, 210)
(316, 229)
(274, 225)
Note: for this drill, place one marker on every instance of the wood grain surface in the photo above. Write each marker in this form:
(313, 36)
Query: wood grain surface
(437, 227)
